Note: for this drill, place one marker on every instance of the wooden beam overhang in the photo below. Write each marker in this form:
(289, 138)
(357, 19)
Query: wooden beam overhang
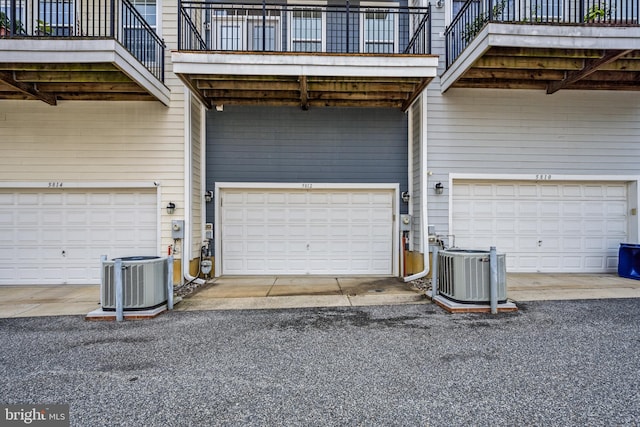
(306, 81)
(33, 69)
(591, 66)
(549, 58)
(306, 91)
(30, 89)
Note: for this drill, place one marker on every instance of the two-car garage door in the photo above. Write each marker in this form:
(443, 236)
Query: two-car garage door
(56, 236)
(543, 226)
(306, 231)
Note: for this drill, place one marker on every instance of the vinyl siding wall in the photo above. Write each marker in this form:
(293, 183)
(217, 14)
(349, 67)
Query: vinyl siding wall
(102, 141)
(329, 145)
(487, 131)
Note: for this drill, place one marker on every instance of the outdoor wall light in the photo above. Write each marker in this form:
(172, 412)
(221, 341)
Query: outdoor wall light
(405, 196)
(208, 196)
(439, 188)
(171, 208)
(439, 4)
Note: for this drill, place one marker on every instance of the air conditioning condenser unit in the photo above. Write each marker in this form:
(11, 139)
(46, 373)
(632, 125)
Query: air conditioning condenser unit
(144, 283)
(465, 276)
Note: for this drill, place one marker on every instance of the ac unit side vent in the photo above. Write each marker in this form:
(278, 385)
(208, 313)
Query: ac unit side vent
(144, 283)
(465, 276)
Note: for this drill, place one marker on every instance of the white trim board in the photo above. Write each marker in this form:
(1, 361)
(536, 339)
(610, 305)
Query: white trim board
(299, 65)
(76, 184)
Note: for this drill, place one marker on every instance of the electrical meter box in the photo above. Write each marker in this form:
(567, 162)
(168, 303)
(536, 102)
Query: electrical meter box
(405, 222)
(177, 229)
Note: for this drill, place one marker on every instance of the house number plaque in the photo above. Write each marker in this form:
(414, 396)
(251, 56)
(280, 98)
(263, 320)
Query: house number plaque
(543, 177)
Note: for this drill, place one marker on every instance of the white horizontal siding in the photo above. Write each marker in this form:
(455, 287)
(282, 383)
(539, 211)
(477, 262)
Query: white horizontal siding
(489, 131)
(519, 132)
(94, 142)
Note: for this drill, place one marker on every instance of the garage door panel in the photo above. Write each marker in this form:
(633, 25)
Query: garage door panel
(594, 262)
(311, 232)
(615, 208)
(612, 262)
(58, 235)
(580, 225)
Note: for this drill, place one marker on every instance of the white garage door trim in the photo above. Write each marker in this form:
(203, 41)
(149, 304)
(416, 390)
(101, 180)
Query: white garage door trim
(631, 200)
(52, 191)
(220, 187)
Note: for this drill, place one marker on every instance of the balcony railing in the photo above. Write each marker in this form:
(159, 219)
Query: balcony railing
(263, 27)
(85, 19)
(475, 14)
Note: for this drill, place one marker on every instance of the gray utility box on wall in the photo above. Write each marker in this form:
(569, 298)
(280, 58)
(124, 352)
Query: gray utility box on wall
(465, 276)
(144, 283)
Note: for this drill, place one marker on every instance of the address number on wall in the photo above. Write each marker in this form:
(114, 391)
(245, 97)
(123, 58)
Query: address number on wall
(307, 186)
(55, 185)
(543, 177)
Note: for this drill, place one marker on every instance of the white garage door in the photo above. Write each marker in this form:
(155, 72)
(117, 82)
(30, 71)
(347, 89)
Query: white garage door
(307, 231)
(57, 236)
(543, 227)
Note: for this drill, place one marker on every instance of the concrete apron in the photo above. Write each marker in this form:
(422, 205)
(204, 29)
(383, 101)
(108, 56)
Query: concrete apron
(301, 291)
(291, 292)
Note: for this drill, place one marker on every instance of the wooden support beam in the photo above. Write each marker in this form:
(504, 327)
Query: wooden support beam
(194, 89)
(90, 87)
(528, 63)
(510, 74)
(246, 85)
(416, 93)
(71, 77)
(106, 97)
(361, 96)
(543, 52)
(590, 67)
(27, 88)
(362, 86)
(364, 104)
(500, 84)
(251, 94)
(70, 66)
(304, 93)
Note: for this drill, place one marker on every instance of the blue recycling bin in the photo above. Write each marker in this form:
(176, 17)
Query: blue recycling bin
(629, 261)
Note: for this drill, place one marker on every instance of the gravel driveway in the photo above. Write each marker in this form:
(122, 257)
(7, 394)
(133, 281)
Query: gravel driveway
(552, 363)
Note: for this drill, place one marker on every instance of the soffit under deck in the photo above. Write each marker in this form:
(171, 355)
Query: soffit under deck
(306, 81)
(588, 61)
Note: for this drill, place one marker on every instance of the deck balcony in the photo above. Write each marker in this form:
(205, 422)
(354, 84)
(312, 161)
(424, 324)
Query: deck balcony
(304, 55)
(52, 50)
(544, 44)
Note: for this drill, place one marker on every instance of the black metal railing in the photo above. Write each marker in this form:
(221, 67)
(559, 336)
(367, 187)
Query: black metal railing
(475, 14)
(68, 19)
(345, 28)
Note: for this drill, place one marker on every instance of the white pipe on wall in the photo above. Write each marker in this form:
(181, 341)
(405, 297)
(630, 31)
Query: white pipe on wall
(186, 242)
(424, 227)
